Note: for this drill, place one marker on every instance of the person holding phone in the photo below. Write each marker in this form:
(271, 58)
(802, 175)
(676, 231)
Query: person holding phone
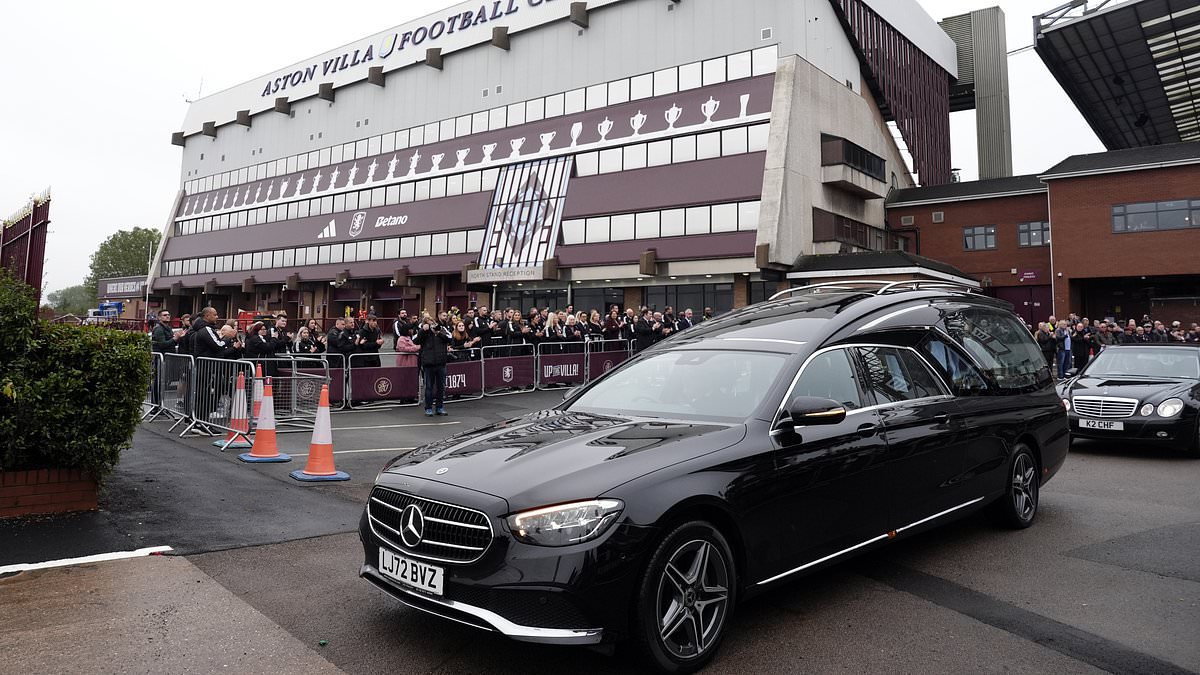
(434, 340)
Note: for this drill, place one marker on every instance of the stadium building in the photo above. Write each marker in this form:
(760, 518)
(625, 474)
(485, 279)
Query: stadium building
(521, 152)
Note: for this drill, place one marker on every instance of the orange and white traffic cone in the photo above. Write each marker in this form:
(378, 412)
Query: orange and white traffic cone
(258, 393)
(265, 448)
(238, 422)
(320, 451)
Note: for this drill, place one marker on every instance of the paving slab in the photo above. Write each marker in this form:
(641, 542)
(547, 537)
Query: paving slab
(156, 614)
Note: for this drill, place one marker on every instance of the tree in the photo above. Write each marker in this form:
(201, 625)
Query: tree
(73, 300)
(124, 254)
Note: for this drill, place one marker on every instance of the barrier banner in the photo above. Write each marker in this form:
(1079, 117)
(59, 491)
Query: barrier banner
(562, 369)
(600, 363)
(383, 384)
(337, 374)
(509, 371)
(464, 378)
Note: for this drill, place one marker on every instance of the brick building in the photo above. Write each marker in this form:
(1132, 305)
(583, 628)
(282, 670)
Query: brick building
(1125, 224)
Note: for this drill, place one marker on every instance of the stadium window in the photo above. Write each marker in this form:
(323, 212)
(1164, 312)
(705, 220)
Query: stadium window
(979, 238)
(1033, 234)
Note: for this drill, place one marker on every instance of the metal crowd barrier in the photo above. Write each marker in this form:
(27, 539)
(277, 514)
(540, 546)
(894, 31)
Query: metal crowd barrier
(510, 369)
(334, 365)
(198, 392)
(464, 380)
(386, 380)
(152, 403)
(604, 355)
(561, 364)
(212, 394)
(176, 382)
(296, 391)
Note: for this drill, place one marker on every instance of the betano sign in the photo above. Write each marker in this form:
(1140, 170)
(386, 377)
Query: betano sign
(459, 27)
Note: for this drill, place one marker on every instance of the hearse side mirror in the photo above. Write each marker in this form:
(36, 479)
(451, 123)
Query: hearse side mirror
(1072, 372)
(807, 411)
(570, 392)
(811, 411)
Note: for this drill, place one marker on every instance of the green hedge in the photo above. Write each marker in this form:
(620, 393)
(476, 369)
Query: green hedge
(70, 396)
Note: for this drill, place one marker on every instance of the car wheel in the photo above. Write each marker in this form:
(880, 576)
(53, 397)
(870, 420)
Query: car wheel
(685, 598)
(1018, 507)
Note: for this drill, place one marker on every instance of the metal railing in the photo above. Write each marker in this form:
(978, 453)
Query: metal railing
(509, 369)
(152, 403)
(297, 391)
(561, 364)
(387, 380)
(211, 394)
(198, 393)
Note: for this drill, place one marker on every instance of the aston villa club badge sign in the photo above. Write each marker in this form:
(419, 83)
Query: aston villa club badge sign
(524, 221)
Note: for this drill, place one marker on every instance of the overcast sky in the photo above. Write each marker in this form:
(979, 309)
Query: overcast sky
(91, 91)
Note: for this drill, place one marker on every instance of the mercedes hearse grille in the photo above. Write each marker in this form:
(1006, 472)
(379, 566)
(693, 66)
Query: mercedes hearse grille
(450, 533)
(1104, 407)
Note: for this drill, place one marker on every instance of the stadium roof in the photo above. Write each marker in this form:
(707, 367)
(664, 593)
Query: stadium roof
(1153, 157)
(1132, 67)
(958, 192)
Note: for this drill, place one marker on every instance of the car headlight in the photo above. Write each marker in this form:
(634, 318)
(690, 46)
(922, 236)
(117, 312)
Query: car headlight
(1148, 410)
(1170, 407)
(1067, 404)
(565, 524)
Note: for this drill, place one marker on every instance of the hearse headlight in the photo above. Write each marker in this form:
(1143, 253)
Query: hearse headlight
(1066, 404)
(1148, 410)
(1170, 407)
(565, 524)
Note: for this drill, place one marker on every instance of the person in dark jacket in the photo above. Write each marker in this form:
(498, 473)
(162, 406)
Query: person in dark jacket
(644, 330)
(205, 341)
(259, 346)
(1045, 340)
(281, 338)
(345, 343)
(162, 338)
(1081, 346)
(368, 341)
(613, 324)
(434, 341)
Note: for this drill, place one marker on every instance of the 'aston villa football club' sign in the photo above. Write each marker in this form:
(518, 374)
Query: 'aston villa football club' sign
(524, 221)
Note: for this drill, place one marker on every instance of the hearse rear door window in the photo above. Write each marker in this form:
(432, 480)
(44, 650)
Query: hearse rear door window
(1000, 344)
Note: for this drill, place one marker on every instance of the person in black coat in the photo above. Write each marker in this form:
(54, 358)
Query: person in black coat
(1045, 340)
(434, 341)
(368, 341)
(1081, 346)
(259, 347)
(645, 329)
(345, 343)
(162, 338)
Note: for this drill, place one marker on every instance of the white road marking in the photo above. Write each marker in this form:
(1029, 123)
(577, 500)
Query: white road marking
(352, 452)
(101, 557)
(397, 426)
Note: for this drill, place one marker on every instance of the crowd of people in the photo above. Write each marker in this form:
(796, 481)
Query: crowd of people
(434, 340)
(205, 335)
(1069, 343)
(480, 327)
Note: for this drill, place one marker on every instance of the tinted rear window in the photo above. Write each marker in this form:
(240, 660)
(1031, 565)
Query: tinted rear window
(1001, 345)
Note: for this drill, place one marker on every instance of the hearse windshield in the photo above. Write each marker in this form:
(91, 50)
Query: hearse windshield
(706, 385)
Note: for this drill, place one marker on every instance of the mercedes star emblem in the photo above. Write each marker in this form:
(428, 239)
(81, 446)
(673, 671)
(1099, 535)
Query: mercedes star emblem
(412, 526)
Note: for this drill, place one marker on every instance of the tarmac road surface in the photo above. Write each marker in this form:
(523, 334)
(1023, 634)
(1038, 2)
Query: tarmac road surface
(262, 577)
